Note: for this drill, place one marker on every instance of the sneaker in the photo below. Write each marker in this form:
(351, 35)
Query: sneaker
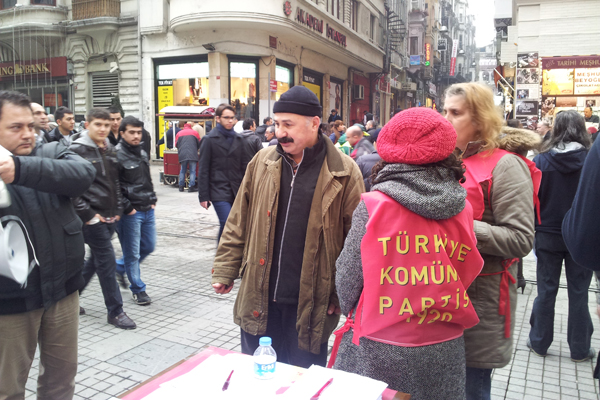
(181, 188)
(533, 351)
(121, 321)
(141, 298)
(81, 310)
(591, 353)
(193, 189)
(121, 281)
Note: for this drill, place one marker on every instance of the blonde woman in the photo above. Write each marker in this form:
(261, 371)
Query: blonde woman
(500, 189)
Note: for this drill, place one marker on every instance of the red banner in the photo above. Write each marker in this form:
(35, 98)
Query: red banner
(452, 66)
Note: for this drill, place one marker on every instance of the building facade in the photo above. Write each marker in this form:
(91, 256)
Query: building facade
(73, 53)
(247, 53)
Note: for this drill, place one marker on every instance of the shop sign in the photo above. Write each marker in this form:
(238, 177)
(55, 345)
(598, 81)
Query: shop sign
(316, 24)
(528, 108)
(587, 81)
(442, 44)
(432, 89)
(306, 19)
(427, 54)
(287, 8)
(165, 82)
(56, 66)
(415, 60)
(336, 36)
(571, 62)
(408, 86)
(310, 79)
(273, 85)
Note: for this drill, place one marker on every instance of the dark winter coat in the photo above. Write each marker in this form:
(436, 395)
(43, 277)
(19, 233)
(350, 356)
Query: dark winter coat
(55, 136)
(40, 196)
(253, 143)
(134, 178)
(188, 144)
(366, 164)
(170, 136)
(581, 225)
(561, 169)
(221, 167)
(261, 132)
(104, 196)
(362, 147)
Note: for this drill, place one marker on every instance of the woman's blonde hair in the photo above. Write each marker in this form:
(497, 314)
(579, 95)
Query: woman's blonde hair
(480, 101)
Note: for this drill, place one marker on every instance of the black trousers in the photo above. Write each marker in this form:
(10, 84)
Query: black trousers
(281, 328)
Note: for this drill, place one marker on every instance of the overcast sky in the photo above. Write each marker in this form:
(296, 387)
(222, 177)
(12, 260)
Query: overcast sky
(484, 20)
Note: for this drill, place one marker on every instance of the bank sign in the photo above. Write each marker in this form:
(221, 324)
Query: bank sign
(315, 24)
(24, 70)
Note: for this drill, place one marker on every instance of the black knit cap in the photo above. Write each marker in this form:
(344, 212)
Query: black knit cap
(299, 100)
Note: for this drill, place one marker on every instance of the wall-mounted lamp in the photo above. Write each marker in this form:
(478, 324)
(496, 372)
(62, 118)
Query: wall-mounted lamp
(209, 47)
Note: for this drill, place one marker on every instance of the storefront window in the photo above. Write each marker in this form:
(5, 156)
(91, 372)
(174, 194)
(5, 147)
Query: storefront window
(242, 88)
(189, 81)
(50, 97)
(283, 76)
(313, 81)
(336, 96)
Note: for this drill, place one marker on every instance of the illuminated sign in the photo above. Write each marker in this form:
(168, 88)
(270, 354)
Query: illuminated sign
(427, 54)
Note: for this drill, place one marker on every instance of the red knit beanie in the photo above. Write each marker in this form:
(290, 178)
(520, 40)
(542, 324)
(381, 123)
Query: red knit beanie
(416, 136)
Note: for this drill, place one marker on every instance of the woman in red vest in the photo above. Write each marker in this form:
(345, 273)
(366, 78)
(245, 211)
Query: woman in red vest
(500, 189)
(407, 262)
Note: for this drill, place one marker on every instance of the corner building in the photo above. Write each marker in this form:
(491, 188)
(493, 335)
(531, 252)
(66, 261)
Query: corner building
(248, 52)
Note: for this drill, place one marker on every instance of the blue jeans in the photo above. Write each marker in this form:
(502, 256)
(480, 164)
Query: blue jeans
(551, 250)
(222, 209)
(137, 234)
(184, 167)
(479, 383)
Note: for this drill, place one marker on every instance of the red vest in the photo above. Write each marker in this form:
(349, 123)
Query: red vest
(479, 170)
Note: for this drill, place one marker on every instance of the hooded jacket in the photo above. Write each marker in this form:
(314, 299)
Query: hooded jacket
(40, 196)
(246, 247)
(104, 195)
(505, 231)
(252, 143)
(561, 169)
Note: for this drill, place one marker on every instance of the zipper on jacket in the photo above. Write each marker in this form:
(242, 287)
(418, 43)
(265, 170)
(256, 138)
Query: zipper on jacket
(312, 304)
(287, 213)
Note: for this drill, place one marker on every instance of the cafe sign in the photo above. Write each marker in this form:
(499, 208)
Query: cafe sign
(310, 21)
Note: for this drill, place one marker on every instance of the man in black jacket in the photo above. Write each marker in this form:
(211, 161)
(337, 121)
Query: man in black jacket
(262, 130)
(115, 123)
(44, 309)
(252, 143)
(99, 208)
(137, 227)
(64, 131)
(222, 165)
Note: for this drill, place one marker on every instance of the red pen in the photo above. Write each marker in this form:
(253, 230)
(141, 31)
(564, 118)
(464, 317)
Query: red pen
(318, 394)
(226, 384)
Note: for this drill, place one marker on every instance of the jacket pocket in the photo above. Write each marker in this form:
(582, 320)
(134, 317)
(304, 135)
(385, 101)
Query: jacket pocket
(74, 244)
(243, 269)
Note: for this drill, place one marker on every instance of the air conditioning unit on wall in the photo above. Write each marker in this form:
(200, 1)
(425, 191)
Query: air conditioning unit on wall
(358, 92)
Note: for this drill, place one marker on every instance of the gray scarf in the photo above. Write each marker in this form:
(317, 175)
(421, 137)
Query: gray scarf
(431, 192)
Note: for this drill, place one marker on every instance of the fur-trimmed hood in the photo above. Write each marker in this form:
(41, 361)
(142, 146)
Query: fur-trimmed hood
(517, 140)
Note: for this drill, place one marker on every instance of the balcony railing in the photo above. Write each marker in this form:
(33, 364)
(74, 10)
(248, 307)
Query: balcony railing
(85, 9)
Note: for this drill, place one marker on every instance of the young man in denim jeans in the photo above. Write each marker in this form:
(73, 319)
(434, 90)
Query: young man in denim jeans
(137, 227)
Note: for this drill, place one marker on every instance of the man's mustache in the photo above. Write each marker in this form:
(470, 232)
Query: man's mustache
(285, 139)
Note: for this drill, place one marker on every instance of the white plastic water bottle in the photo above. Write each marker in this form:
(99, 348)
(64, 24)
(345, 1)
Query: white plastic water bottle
(265, 359)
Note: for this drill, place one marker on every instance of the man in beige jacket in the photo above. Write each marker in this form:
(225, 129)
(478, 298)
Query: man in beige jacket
(284, 233)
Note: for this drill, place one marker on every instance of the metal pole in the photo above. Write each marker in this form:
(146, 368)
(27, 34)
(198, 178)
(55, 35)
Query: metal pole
(268, 97)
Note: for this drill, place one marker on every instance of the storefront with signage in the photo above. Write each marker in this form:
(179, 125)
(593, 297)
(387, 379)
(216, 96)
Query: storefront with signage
(313, 81)
(569, 83)
(45, 81)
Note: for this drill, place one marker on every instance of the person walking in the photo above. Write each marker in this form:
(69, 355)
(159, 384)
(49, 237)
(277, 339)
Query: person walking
(501, 191)
(561, 159)
(43, 313)
(408, 322)
(285, 231)
(99, 208)
(252, 142)
(188, 144)
(262, 130)
(360, 144)
(137, 226)
(223, 162)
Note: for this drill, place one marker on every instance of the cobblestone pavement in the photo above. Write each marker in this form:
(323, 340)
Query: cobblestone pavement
(186, 315)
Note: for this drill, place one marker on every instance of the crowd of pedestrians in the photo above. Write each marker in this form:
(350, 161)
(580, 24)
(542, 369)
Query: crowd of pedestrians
(414, 231)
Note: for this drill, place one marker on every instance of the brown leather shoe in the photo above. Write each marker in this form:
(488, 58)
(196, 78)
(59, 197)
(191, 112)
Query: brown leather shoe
(122, 321)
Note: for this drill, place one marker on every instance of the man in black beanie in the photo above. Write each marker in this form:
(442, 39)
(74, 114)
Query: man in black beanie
(284, 233)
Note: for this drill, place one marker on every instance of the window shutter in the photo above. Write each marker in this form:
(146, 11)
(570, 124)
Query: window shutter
(105, 86)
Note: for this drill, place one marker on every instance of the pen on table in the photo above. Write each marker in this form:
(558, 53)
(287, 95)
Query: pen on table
(226, 384)
(318, 394)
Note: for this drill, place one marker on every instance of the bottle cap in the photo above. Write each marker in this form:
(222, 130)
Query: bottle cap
(265, 341)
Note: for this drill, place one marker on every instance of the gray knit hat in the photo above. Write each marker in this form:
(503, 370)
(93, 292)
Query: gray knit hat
(299, 100)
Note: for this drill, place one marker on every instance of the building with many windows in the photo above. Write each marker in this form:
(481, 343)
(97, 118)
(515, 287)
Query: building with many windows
(73, 53)
(248, 52)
